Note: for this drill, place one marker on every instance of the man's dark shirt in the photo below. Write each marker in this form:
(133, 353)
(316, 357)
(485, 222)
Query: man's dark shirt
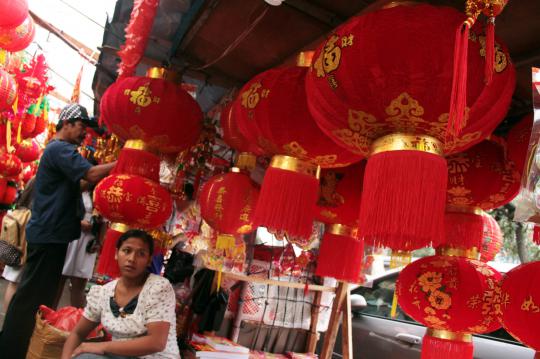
(56, 216)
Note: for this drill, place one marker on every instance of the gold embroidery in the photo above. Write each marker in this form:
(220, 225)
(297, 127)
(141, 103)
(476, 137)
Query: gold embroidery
(328, 214)
(405, 113)
(251, 97)
(529, 305)
(440, 300)
(430, 281)
(501, 60)
(142, 97)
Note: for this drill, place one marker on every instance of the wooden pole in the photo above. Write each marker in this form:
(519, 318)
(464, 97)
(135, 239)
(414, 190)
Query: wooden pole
(346, 328)
(313, 336)
(335, 316)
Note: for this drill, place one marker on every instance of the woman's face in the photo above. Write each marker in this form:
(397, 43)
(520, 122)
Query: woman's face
(133, 257)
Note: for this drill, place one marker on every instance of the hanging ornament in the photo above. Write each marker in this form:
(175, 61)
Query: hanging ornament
(17, 38)
(493, 239)
(380, 87)
(8, 90)
(28, 150)
(13, 12)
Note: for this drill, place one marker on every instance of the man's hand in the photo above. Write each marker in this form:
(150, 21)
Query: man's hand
(86, 226)
(92, 348)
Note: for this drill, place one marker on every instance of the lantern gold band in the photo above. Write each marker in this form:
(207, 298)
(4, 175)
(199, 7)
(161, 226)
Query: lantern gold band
(471, 253)
(406, 142)
(448, 335)
(294, 164)
(342, 230)
(235, 170)
(460, 209)
(163, 73)
(120, 227)
(137, 145)
(246, 160)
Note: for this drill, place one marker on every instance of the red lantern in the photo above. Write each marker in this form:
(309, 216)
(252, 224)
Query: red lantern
(341, 252)
(10, 165)
(107, 264)
(453, 297)
(28, 150)
(153, 110)
(17, 38)
(8, 90)
(133, 200)
(274, 102)
(136, 158)
(380, 87)
(518, 142)
(520, 302)
(228, 202)
(13, 12)
(492, 240)
(40, 126)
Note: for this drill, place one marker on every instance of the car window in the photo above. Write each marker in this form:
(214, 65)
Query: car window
(501, 335)
(379, 299)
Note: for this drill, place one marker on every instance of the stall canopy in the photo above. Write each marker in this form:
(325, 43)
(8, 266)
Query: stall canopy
(220, 44)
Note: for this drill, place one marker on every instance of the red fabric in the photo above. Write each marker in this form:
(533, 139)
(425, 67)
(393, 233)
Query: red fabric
(450, 293)
(10, 194)
(138, 162)
(520, 303)
(232, 135)
(468, 171)
(492, 239)
(28, 150)
(435, 348)
(340, 257)
(228, 203)
(17, 38)
(403, 200)
(536, 234)
(13, 12)
(10, 165)
(8, 90)
(340, 191)
(153, 110)
(137, 33)
(133, 200)
(463, 230)
(518, 142)
(107, 264)
(275, 101)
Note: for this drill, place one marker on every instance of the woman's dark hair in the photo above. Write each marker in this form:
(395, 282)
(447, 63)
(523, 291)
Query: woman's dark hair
(137, 233)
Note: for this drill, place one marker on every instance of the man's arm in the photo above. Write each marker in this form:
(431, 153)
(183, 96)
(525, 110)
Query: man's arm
(96, 173)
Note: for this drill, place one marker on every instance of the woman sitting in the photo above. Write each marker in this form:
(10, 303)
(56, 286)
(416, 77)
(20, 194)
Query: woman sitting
(137, 309)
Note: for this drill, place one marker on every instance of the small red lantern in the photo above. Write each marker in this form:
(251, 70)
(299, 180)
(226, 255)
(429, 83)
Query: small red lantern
(28, 150)
(520, 303)
(454, 297)
(13, 12)
(380, 86)
(518, 142)
(8, 90)
(17, 38)
(492, 240)
(10, 165)
(228, 202)
(133, 200)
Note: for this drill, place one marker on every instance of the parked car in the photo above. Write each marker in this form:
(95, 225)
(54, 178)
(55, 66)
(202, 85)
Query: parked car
(376, 335)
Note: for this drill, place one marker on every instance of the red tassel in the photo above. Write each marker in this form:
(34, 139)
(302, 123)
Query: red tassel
(340, 257)
(137, 162)
(403, 200)
(435, 348)
(287, 202)
(490, 50)
(536, 235)
(107, 264)
(463, 230)
(458, 97)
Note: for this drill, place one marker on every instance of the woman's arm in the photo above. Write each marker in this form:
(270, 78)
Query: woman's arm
(154, 342)
(81, 331)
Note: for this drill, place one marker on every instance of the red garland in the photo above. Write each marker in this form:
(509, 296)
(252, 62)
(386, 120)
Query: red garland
(137, 32)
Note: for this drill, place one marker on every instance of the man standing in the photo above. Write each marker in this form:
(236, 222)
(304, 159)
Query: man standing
(56, 220)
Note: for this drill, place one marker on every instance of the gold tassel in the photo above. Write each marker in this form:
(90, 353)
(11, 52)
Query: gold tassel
(398, 259)
(8, 136)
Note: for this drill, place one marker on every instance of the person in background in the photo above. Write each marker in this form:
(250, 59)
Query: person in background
(81, 254)
(137, 309)
(55, 221)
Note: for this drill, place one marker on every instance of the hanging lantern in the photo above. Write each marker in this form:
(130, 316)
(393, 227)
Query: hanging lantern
(454, 297)
(274, 102)
(493, 239)
(137, 158)
(380, 87)
(520, 304)
(28, 150)
(10, 165)
(341, 252)
(13, 12)
(133, 200)
(153, 110)
(228, 202)
(8, 90)
(17, 38)
(518, 142)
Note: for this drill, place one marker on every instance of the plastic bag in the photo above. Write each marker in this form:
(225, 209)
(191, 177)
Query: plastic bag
(66, 318)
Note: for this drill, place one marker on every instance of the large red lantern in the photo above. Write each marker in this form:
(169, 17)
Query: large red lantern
(341, 252)
(454, 297)
(228, 202)
(380, 87)
(274, 105)
(8, 90)
(28, 150)
(520, 303)
(17, 38)
(133, 200)
(13, 12)
(154, 110)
